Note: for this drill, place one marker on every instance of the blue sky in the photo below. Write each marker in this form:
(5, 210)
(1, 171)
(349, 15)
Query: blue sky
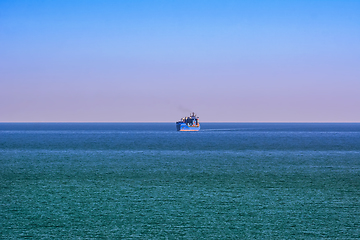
(240, 61)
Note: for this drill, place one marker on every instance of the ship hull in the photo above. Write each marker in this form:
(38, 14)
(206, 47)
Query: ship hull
(182, 127)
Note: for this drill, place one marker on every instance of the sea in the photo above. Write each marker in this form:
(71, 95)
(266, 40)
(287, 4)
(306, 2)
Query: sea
(148, 181)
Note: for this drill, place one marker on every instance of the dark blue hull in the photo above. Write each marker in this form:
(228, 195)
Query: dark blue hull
(185, 128)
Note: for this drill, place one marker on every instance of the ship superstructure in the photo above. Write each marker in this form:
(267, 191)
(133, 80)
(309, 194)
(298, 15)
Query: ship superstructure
(188, 123)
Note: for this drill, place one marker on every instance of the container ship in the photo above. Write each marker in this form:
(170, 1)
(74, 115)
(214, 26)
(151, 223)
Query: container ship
(188, 123)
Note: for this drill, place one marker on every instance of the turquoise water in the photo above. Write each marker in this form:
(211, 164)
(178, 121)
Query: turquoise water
(147, 181)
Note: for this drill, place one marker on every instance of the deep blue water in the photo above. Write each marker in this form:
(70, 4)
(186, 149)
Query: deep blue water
(147, 181)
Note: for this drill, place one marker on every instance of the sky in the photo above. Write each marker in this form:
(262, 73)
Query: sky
(157, 61)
